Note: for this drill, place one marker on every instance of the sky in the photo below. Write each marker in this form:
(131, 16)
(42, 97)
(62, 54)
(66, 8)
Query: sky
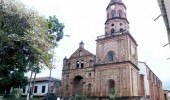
(84, 21)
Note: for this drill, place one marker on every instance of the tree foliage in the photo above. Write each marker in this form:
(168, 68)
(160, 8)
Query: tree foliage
(55, 28)
(25, 42)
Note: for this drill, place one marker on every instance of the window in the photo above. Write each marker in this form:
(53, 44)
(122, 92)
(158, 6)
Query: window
(120, 24)
(67, 76)
(24, 89)
(121, 30)
(112, 31)
(67, 87)
(111, 56)
(35, 89)
(89, 87)
(113, 13)
(82, 63)
(90, 63)
(120, 13)
(43, 89)
(80, 53)
(77, 64)
(89, 74)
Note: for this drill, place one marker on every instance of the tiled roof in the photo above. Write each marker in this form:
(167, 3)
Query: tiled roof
(41, 79)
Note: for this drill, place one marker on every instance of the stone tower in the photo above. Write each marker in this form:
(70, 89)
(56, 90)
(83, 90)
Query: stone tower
(116, 55)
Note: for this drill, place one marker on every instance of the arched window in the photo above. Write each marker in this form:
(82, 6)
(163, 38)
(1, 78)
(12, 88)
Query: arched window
(89, 87)
(77, 64)
(111, 85)
(120, 13)
(82, 63)
(67, 87)
(89, 74)
(67, 76)
(112, 31)
(121, 30)
(80, 53)
(113, 13)
(90, 63)
(111, 56)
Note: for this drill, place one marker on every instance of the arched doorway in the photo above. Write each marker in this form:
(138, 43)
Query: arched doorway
(78, 85)
(111, 85)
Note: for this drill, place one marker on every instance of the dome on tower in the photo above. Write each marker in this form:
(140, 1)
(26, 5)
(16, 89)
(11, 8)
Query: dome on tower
(115, 1)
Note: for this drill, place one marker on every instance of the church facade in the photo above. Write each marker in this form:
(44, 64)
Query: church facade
(115, 65)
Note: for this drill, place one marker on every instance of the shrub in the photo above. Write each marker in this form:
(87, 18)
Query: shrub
(1, 97)
(16, 94)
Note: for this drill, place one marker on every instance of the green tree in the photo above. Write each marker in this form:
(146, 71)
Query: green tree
(55, 28)
(25, 42)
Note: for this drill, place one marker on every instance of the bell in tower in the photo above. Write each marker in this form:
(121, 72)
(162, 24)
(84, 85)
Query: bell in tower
(116, 22)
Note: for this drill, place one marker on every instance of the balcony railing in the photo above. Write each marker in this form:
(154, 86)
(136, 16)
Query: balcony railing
(113, 34)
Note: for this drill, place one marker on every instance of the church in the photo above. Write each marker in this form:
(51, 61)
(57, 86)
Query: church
(114, 66)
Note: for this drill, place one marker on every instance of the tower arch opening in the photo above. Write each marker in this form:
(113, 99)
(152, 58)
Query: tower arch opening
(121, 30)
(120, 13)
(113, 13)
(112, 31)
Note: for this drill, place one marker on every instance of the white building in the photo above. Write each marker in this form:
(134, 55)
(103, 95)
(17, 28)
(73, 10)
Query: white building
(41, 86)
(151, 85)
(143, 71)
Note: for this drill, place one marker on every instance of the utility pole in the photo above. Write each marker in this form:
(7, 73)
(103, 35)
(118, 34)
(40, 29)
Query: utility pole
(35, 73)
(49, 85)
(28, 91)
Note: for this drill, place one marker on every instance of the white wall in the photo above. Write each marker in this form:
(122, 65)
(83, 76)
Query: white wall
(143, 70)
(39, 89)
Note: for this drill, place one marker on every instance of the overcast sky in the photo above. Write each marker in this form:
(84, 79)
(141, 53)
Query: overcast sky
(84, 20)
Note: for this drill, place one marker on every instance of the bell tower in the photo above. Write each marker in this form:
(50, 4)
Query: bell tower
(117, 38)
(116, 21)
(116, 54)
